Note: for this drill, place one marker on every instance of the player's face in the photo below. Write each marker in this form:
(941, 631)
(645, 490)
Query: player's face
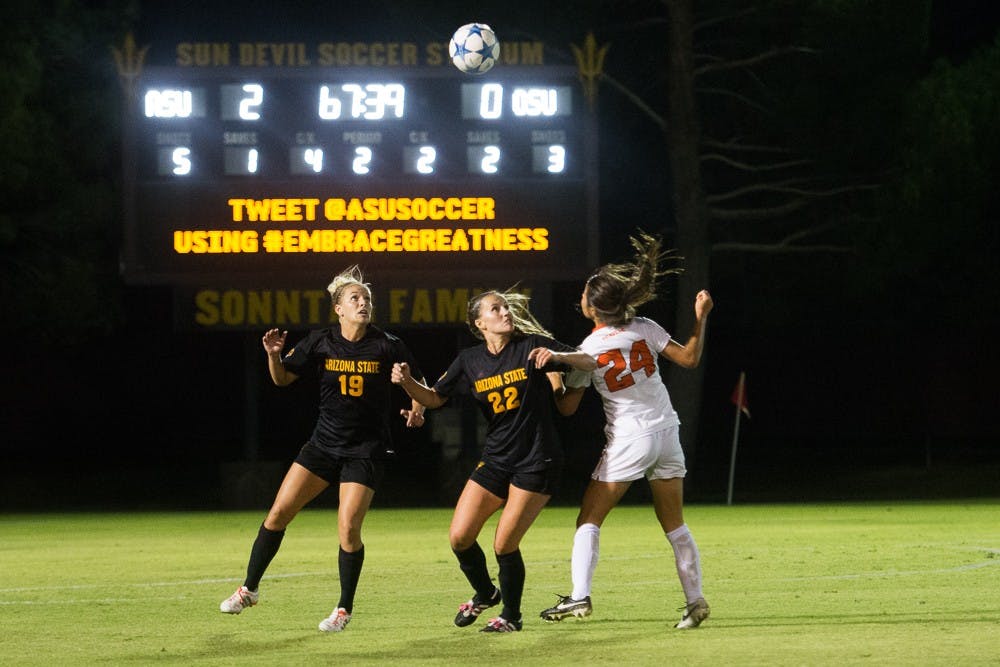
(355, 305)
(494, 316)
(585, 305)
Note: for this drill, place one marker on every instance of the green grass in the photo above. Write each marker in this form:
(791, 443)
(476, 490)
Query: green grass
(822, 584)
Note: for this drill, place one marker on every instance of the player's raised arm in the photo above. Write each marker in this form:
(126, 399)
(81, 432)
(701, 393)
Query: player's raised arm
(274, 343)
(581, 361)
(689, 354)
(416, 389)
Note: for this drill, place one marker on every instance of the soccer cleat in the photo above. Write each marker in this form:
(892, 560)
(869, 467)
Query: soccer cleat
(501, 624)
(238, 601)
(469, 611)
(336, 621)
(567, 606)
(694, 613)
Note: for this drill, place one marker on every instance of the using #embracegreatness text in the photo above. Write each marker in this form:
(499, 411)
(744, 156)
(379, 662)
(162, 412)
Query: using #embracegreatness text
(290, 239)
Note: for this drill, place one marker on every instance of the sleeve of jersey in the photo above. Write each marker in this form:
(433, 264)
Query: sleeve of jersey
(576, 379)
(656, 335)
(403, 354)
(297, 359)
(450, 383)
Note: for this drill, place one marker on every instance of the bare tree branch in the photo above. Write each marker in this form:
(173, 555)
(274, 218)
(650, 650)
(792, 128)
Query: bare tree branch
(778, 248)
(783, 187)
(735, 145)
(811, 231)
(727, 65)
(786, 244)
(715, 20)
(729, 93)
(757, 213)
(636, 100)
(744, 166)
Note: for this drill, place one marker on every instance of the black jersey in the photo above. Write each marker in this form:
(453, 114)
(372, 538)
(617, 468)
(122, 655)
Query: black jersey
(516, 399)
(354, 388)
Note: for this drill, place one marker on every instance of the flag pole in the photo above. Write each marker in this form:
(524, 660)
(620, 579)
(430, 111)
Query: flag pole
(736, 436)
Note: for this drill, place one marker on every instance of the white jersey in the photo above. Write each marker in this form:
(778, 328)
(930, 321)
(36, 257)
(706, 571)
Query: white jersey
(628, 379)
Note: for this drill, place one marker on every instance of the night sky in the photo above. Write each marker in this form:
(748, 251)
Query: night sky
(154, 414)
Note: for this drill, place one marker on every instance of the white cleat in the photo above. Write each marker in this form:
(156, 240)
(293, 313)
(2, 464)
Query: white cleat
(238, 601)
(336, 621)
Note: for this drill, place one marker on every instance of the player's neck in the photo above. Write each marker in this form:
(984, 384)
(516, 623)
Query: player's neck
(496, 344)
(352, 332)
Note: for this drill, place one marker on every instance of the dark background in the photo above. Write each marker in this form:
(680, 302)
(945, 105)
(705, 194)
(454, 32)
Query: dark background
(871, 374)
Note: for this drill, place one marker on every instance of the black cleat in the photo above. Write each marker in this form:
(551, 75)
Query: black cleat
(567, 606)
(501, 624)
(694, 614)
(469, 611)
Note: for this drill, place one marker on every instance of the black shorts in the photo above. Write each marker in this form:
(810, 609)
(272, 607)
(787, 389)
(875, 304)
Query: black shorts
(337, 469)
(498, 481)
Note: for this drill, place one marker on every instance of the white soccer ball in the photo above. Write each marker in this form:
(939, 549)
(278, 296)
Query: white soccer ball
(474, 48)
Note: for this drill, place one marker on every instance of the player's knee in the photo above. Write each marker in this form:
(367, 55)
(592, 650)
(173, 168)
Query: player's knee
(278, 518)
(461, 541)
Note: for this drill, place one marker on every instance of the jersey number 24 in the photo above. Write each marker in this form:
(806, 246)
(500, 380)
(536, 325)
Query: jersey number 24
(619, 375)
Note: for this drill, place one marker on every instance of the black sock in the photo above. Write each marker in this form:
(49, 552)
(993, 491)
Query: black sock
(472, 562)
(349, 564)
(263, 550)
(511, 584)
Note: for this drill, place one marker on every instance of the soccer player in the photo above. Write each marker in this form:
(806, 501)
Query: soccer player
(521, 458)
(349, 443)
(641, 423)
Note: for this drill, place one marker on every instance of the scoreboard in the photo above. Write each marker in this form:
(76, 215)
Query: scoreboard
(252, 176)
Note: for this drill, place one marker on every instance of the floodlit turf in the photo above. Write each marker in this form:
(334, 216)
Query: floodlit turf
(834, 584)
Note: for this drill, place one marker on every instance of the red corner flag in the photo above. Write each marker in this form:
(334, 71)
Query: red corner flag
(739, 397)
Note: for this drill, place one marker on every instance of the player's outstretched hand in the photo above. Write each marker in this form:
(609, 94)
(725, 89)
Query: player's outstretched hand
(541, 355)
(274, 341)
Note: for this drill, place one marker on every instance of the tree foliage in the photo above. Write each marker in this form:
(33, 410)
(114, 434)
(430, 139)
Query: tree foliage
(941, 216)
(59, 225)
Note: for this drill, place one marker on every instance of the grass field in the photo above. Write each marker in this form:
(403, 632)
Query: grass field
(818, 584)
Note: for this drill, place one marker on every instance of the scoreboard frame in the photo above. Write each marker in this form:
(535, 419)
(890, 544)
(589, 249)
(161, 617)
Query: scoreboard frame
(285, 226)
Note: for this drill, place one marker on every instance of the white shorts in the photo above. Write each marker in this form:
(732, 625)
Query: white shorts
(654, 456)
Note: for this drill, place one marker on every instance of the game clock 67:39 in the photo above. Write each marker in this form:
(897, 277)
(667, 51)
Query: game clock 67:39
(358, 124)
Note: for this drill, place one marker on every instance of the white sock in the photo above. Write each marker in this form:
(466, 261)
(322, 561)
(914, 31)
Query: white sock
(688, 562)
(586, 548)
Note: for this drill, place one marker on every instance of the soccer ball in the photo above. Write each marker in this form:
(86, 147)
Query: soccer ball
(474, 48)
